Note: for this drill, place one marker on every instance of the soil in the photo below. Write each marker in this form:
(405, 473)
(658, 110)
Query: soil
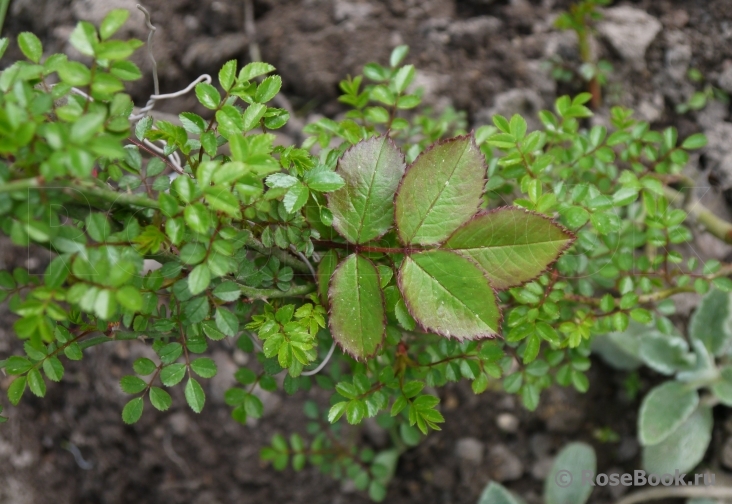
(72, 446)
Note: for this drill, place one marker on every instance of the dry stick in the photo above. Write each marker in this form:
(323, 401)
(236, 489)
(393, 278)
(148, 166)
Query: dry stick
(676, 493)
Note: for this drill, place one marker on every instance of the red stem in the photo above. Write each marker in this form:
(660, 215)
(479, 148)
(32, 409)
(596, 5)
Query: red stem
(367, 248)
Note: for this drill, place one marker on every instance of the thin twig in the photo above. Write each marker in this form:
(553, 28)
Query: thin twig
(322, 364)
(153, 98)
(304, 259)
(677, 493)
(152, 29)
(172, 455)
(78, 457)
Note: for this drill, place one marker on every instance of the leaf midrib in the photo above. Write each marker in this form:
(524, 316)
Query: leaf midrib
(450, 293)
(504, 246)
(368, 194)
(358, 307)
(439, 193)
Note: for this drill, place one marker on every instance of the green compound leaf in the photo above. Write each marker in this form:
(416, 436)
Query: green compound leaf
(663, 410)
(448, 294)
(512, 245)
(357, 314)
(363, 209)
(440, 191)
(684, 448)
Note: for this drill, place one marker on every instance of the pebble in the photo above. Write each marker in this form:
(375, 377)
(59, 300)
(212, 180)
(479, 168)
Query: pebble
(470, 449)
(540, 444)
(725, 79)
(375, 433)
(727, 453)
(505, 465)
(443, 478)
(473, 32)
(507, 422)
(627, 449)
(541, 468)
(630, 31)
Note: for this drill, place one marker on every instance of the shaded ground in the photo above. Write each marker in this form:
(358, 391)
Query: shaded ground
(482, 56)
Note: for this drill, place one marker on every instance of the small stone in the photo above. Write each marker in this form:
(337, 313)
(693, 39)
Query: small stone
(507, 422)
(725, 79)
(651, 108)
(348, 486)
(727, 453)
(541, 468)
(205, 52)
(179, 422)
(678, 55)
(540, 444)
(562, 410)
(473, 32)
(451, 402)
(715, 112)
(470, 449)
(630, 31)
(224, 378)
(443, 478)
(375, 433)
(627, 449)
(676, 19)
(504, 464)
(356, 11)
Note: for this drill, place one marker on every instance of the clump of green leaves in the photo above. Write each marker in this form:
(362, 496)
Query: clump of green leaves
(423, 253)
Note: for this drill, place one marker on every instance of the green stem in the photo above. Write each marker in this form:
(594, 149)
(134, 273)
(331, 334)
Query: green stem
(79, 189)
(294, 291)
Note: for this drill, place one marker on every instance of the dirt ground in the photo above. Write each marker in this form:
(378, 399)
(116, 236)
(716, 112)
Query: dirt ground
(481, 56)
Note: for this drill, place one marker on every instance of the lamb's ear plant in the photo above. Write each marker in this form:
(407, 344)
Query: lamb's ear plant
(675, 418)
(390, 253)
